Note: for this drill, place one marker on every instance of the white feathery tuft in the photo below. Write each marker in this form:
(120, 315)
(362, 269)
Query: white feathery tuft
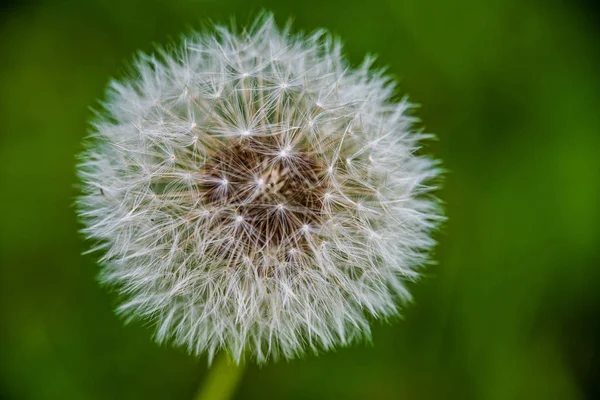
(253, 193)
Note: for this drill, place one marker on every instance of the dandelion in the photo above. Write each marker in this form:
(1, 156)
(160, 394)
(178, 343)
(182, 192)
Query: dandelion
(252, 193)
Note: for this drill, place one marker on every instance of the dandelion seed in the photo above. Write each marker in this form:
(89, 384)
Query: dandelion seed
(268, 234)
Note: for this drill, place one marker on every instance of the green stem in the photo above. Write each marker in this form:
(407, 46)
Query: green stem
(222, 380)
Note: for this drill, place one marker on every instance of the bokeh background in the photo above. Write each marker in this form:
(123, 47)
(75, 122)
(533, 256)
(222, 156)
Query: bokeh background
(511, 310)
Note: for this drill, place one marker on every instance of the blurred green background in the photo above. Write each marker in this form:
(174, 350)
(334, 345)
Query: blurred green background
(511, 311)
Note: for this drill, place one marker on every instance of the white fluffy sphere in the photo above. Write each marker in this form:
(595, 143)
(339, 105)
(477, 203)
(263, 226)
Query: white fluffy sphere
(254, 193)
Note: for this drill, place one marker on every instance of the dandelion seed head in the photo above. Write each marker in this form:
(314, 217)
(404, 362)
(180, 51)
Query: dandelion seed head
(294, 215)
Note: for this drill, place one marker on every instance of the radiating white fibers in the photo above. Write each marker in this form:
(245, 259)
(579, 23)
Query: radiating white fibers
(253, 193)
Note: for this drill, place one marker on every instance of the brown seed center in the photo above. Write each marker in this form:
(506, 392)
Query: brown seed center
(274, 188)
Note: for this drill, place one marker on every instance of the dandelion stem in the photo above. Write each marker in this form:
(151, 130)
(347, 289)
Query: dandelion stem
(222, 380)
